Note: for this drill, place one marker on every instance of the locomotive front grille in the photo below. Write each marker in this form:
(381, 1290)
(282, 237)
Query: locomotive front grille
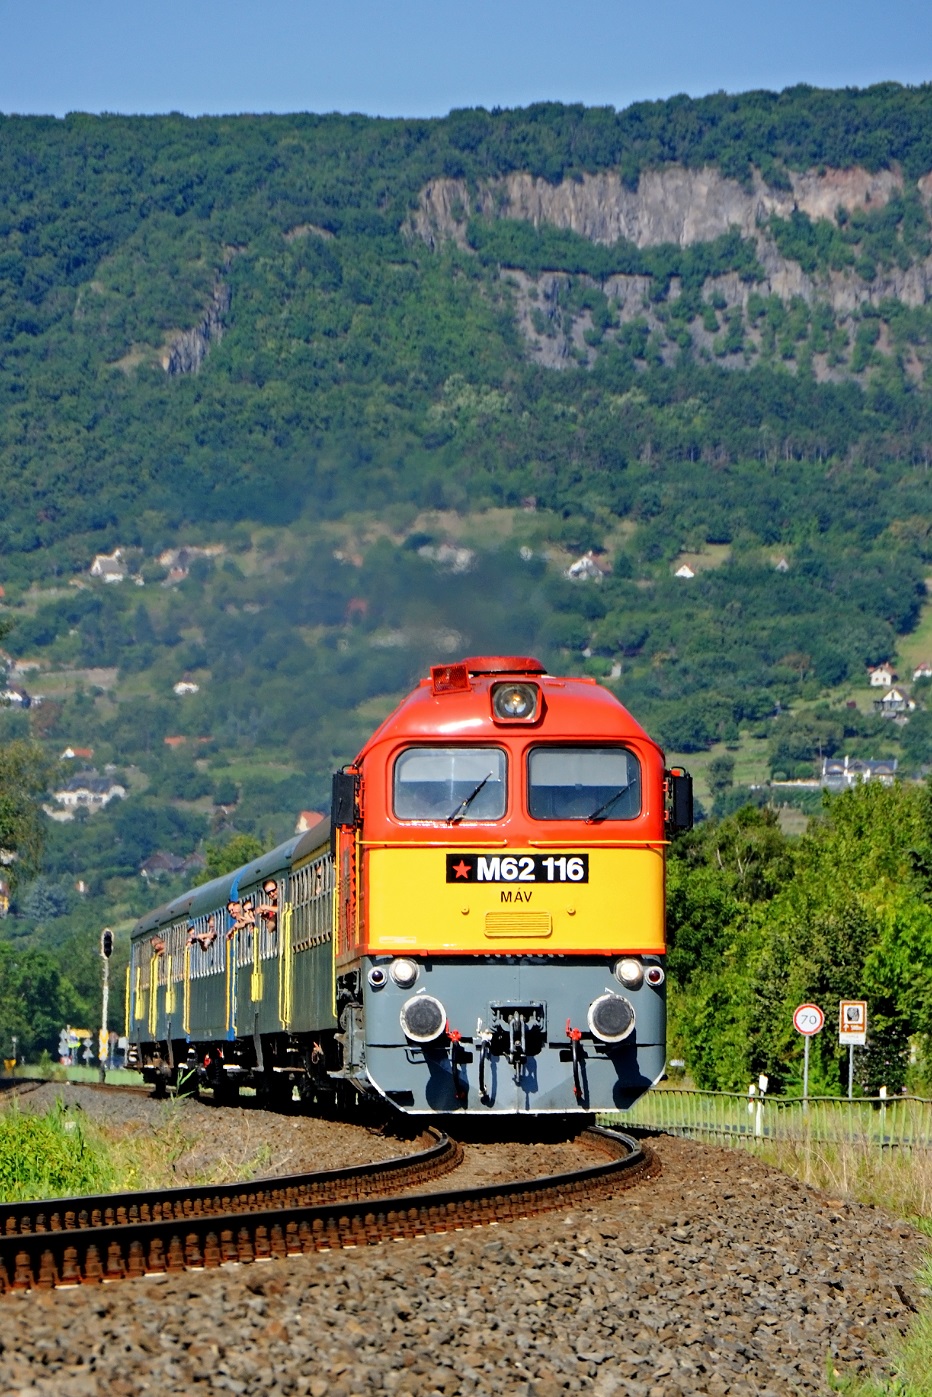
(518, 924)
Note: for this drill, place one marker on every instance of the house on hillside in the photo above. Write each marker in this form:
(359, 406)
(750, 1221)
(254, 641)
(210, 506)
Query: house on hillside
(882, 676)
(88, 791)
(840, 773)
(894, 702)
(167, 865)
(585, 569)
(185, 686)
(684, 571)
(110, 567)
(307, 819)
(923, 670)
(15, 696)
(70, 754)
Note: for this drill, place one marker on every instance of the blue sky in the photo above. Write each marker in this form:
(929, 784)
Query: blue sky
(423, 57)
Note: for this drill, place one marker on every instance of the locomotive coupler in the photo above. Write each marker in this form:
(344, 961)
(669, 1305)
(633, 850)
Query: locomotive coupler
(519, 1031)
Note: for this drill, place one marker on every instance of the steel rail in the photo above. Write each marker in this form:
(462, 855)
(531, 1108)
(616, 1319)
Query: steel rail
(118, 1251)
(438, 1155)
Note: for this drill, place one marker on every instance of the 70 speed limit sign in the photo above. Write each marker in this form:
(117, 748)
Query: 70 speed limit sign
(808, 1020)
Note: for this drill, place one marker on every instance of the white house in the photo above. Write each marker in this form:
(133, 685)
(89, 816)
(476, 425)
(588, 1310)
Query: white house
(684, 571)
(13, 694)
(838, 773)
(186, 686)
(585, 567)
(894, 702)
(89, 791)
(923, 670)
(882, 676)
(109, 566)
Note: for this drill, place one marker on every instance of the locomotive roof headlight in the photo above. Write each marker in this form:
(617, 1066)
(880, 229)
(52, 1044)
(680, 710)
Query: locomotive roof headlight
(629, 972)
(377, 977)
(515, 703)
(403, 972)
(655, 976)
(423, 1018)
(611, 1018)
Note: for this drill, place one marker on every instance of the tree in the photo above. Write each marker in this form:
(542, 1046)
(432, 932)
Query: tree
(721, 773)
(36, 1000)
(225, 858)
(25, 773)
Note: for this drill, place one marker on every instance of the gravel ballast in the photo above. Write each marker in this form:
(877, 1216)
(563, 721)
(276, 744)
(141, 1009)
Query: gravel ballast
(720, 1276)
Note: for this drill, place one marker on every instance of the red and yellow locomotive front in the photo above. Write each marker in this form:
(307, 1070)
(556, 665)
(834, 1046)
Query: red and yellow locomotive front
(500, 896)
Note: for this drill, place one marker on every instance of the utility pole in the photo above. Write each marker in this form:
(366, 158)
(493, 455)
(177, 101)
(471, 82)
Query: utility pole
(106, 950)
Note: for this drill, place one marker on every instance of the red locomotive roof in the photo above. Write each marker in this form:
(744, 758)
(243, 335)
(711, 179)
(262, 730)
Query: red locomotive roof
(503, 664)
(572, 708)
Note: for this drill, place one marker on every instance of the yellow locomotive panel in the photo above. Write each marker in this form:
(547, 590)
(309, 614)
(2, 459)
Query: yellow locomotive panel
(416, 903)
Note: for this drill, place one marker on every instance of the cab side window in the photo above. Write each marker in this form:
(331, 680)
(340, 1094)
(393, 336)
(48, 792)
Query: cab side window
(584, 783)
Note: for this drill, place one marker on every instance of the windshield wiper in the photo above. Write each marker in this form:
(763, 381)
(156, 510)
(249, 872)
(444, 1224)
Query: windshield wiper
(600, 810)
(464, 805)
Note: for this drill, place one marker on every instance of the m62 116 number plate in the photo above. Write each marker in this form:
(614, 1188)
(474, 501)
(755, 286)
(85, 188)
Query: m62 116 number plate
(517, 868)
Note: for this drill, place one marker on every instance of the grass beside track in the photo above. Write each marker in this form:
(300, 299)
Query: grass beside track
(51, 1156)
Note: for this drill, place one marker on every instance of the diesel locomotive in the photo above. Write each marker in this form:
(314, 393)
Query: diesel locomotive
(478, 927)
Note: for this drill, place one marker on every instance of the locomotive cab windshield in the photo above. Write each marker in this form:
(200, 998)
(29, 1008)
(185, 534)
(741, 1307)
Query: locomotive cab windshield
(450, 784)
(583, 783)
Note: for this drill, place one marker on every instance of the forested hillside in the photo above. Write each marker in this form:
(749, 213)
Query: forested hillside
(382, 382)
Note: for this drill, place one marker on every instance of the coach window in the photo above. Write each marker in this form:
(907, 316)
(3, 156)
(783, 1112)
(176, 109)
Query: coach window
(584, 783)
(450, 784)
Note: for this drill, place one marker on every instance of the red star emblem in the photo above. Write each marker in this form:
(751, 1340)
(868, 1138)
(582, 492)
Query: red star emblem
(461, 869)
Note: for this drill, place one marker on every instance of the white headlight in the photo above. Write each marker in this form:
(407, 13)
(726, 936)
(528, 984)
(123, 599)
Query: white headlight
(403, 972)
(629, 972)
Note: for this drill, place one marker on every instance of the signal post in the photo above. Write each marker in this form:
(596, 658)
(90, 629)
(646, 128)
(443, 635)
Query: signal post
(106, 950)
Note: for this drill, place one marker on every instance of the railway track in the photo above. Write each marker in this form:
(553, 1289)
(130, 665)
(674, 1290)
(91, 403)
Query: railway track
(85, 1241)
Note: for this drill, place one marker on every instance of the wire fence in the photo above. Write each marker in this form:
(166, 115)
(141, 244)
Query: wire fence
(732, 1118)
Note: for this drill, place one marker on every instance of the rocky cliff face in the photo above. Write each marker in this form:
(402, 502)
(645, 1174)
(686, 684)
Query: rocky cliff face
(670, 205)
(683, 207)
(186, 352)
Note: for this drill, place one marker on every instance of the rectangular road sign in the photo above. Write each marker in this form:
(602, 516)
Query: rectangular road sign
(852, 1022)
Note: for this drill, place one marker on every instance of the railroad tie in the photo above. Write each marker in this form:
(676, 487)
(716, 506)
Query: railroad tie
(22, 1276)
(48, 1275)
(244, 1249)
(137, 1260)
(93, 1270)
(175, 1260)
(193, 1256)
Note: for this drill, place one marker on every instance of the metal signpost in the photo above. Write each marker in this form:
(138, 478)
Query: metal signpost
(852, 1032)
(807, 1020)
(106, 949)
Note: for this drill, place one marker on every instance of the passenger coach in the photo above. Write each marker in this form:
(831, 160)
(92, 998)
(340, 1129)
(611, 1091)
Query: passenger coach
(479, 927)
